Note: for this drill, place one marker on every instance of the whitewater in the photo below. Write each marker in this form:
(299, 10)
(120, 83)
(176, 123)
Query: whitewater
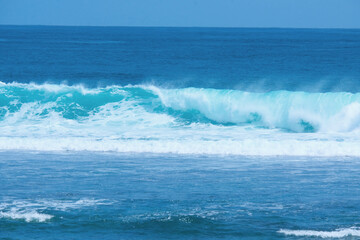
(147, 118)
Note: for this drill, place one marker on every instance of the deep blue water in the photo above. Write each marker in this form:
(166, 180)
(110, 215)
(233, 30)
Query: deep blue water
(267, 59)
(179, 133)
(144, 196)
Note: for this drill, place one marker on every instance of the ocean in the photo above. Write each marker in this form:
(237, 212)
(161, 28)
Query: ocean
(179, 133)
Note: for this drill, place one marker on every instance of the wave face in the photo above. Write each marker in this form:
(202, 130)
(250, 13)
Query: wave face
(188, 120)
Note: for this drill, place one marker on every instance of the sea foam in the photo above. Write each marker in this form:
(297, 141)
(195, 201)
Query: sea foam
(59, 117)
(28, 216)
(33, 211)
(339, 233)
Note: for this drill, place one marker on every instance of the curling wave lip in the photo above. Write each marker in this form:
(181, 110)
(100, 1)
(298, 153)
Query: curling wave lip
(59, 117)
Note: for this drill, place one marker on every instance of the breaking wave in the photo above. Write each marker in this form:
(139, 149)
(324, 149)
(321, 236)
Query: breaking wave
(189, 120)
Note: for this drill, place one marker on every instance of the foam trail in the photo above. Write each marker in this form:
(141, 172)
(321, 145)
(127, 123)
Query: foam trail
(339, 233)
(31, 216)
(31, 211)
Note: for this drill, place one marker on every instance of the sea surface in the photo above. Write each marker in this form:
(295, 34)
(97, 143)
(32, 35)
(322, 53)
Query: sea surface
(179, 133)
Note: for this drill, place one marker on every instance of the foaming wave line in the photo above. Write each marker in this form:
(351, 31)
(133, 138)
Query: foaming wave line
(64, 86)
(338, 233)
(53, 204)
(52, 87)
(247, 147)
(28, 216)
(32, 211)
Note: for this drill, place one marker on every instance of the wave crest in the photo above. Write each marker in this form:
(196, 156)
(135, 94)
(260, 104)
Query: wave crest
(294, 111)
(339, 233)
(30, 216)
(190, 120)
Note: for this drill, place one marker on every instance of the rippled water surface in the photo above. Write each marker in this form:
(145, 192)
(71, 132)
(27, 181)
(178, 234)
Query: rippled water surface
(146, 196)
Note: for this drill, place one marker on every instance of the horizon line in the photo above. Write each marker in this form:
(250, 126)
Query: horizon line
(142, 26)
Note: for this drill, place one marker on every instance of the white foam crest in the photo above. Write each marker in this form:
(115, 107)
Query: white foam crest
(64, 205)
(64, 87)
(347, 120)
(28, 216)
(55, 88)
(112, 119)
(128, 114)
(29, 120)
(339, 233)
(45, 204)
(32, 211)
(30, 110)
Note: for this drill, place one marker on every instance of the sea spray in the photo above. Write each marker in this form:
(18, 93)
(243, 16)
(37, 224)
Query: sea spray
(146, 118)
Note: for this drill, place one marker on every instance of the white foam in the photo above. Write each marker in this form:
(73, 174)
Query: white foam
(254, 147)
(54, 88)
(339, 233)
(64, 205)
(28, 216)
(295, 111)
(32, 211)
(347, 120)
(134, 123)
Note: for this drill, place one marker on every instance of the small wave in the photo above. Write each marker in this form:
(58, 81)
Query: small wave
(32, 211)
(28, 216)
(97, 42)
(339, 233)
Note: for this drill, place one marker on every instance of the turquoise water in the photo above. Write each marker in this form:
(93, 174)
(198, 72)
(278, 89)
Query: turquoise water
(179, 133)
(146, 118)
